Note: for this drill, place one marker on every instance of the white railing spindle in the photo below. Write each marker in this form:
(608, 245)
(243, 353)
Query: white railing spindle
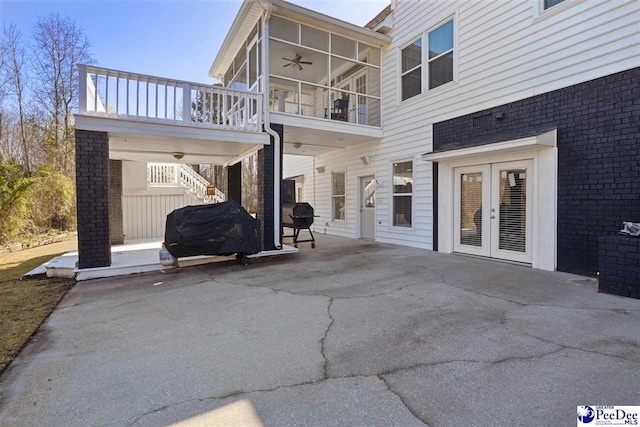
(220, 108)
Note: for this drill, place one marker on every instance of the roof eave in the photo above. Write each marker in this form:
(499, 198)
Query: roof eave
(231, 35)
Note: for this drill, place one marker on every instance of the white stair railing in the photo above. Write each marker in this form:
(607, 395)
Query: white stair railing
(179, 175)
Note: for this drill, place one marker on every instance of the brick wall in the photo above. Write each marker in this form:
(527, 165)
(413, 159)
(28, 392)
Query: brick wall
(265, 189)
(598, 126)
(619, 265)
(116, 229)
(234, 183)
(92, 195)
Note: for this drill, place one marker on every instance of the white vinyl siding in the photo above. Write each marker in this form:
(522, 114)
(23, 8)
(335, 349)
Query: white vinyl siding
(502, 54)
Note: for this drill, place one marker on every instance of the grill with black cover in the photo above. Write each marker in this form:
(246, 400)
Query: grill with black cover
(298, 216)
(216, 229)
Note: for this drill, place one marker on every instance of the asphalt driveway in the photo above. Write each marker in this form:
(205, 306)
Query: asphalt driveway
(351, 333)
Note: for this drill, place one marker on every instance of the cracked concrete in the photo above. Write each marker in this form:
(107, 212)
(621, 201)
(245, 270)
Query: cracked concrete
(350, 333)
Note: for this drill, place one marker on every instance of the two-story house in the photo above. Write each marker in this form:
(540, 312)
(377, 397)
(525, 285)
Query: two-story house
(499, 129)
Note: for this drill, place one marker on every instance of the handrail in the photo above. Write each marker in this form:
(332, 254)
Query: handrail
(124, 95)
(174, 175)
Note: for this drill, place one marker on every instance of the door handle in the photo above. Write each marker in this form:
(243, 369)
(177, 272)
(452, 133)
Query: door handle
(493, 217)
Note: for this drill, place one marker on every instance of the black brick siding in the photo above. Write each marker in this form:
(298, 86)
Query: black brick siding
(92, 195)
(265, 189)
(598, 126)
(116, 230)
(234, 183)
(619, 265)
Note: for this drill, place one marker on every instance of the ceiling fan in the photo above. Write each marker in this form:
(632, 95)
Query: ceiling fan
(296, 61)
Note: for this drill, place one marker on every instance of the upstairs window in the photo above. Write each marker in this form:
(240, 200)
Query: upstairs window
(441, 55)
(411, 74)
(550, 3)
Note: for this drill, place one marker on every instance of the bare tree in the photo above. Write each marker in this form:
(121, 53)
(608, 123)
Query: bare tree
(16, 77)
(59, 46)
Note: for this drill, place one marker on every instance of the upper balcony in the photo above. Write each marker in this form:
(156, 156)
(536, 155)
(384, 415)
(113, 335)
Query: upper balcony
(149, 118)
(321, 77)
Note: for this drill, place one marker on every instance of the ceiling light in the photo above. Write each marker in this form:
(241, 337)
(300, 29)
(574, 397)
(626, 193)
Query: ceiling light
(178, 155)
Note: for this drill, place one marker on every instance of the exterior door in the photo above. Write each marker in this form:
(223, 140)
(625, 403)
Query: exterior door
(368, 208)
(493, 210)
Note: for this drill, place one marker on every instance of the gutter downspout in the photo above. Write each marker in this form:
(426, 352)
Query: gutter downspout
(267, 125)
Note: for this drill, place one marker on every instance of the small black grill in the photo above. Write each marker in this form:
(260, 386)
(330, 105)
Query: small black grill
(298, 216)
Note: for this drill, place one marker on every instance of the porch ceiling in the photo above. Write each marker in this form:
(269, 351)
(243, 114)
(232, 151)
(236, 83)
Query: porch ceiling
(156, 142)
(123, 146)
(310, 136)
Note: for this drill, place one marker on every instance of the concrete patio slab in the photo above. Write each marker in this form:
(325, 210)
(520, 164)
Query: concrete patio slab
(352, 332)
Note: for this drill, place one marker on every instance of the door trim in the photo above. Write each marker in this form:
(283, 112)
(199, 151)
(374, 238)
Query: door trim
(545, 161)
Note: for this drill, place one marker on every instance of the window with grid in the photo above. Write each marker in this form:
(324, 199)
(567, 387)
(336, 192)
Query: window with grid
(338, 195)
(402, 193)
(441, 55)
(411, 72)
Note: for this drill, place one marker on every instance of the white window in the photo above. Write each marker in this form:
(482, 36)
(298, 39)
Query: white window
(550, 3)
(338, 196)
(402, 193)
(411, 72)
(441, 55)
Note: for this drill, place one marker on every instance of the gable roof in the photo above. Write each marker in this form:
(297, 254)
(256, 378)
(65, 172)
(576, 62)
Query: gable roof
(251, 10)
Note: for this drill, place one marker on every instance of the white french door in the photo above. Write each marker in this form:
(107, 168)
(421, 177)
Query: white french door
(493, 210)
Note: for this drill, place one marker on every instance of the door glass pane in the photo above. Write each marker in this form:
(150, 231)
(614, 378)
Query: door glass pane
(370, 193)
(513, 210)
(471, 209)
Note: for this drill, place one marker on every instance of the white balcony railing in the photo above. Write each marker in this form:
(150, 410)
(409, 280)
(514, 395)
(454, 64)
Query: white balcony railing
(137, 97)
(179, 175)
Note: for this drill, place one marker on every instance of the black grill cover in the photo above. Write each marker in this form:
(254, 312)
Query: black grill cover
(302, 214)
(217, 229)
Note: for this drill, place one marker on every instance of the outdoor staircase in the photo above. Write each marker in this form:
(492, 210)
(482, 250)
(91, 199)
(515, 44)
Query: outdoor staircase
(179, 175)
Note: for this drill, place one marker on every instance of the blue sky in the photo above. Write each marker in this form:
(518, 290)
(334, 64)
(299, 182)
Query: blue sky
(176, 39)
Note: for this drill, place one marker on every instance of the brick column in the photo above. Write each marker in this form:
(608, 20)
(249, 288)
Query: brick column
(116, 229)
(92, 195)
(266, 169)
(234, 183)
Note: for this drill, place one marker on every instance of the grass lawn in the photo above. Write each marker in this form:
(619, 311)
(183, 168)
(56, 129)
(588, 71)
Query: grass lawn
(25, 304)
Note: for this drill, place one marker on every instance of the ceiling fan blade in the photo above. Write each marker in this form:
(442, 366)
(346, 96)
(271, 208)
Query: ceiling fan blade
(286, 65)
(287, 59)
(306, 62)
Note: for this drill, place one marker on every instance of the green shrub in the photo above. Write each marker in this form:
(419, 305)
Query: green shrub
(51, 203)
(14, 188)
